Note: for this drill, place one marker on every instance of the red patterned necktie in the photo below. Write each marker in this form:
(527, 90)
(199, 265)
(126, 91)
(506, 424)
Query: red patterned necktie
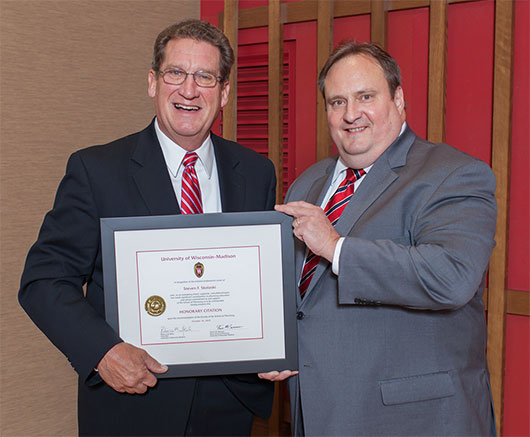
(336, 204)
(191, 200)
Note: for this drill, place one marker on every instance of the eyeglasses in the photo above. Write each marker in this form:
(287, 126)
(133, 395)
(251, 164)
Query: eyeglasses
(176, 76)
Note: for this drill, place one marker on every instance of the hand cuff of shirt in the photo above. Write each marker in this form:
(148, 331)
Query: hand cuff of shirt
(336, 256)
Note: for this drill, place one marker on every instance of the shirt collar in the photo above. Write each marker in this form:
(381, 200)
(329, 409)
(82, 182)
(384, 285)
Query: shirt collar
(174, 154)
(340, 168)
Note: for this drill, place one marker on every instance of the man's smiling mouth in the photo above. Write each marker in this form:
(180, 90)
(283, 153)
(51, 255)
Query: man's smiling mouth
(186, 107)
(356, 129)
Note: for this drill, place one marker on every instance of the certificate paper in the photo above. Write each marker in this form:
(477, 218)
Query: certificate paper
(204, 294)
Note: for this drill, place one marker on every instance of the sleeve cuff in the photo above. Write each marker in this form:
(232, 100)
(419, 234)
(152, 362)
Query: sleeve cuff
(336, 256)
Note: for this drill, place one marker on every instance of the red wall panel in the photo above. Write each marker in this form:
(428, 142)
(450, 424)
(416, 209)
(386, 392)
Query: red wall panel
(470, 77)
(304, 34)
(357, 28)
(408, 43)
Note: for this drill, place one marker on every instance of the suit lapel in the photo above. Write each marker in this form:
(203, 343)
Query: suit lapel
(318, 189)
(231, 182)
(149, 171)
(376, 182)
(378, 179)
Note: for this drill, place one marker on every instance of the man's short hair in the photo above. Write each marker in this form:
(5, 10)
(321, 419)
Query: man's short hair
(349, 48)
(199, 31)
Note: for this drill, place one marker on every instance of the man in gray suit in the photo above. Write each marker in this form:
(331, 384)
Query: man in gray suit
(391, 325)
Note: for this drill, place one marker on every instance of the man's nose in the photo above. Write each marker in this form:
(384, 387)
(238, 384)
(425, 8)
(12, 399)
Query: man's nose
(352, 112)
(188, 88)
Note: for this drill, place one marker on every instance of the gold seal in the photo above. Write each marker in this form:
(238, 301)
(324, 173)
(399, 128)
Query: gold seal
(155, 306)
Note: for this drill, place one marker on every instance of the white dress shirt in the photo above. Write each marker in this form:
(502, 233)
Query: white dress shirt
(205, 167)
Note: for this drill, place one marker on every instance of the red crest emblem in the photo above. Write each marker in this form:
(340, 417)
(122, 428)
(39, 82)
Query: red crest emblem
(198, 268)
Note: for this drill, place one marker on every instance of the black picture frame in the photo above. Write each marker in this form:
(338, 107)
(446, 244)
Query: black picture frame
(109, 228)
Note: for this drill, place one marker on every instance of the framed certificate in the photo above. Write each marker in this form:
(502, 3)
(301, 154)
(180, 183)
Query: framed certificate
(205, 294)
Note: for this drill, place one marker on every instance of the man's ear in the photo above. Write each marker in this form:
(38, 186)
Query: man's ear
(225, 91)
(151, 81)
(399, 99)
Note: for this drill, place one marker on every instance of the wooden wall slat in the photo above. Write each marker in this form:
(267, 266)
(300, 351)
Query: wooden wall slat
(230, 28)
(501, 141)
(324, 31)
(345, 8)
(397, 5)
(437, 70)
(517, 302)
(378, 23)
(324, 43)
(297, 12)
(407, 4)
(275, 68)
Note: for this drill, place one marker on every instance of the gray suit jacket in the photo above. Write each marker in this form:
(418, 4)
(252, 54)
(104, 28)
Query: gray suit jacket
(395, 344)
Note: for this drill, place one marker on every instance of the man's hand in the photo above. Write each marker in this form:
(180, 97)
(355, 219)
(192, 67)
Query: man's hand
(127, 369)
(277, 376)
(312, 227)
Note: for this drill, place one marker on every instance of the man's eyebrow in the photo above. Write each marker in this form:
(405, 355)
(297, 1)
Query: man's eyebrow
(366, 91)
(334, 97)
(173, 66)
(356, 93)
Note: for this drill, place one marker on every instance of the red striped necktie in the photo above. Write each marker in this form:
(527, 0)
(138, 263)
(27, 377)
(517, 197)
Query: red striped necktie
(336, 204)
(191, 199)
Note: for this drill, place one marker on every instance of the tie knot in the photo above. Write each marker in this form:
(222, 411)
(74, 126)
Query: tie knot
(190, 159)
(352, 175)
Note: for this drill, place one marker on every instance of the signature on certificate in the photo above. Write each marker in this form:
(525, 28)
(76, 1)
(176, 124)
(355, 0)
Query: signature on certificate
(227, 326)
(225, 330)
(175, 331)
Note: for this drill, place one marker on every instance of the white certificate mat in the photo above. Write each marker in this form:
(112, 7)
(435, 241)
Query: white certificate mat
(204, 294)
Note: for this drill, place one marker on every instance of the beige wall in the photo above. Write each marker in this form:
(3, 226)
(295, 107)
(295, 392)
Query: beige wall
(73, 74)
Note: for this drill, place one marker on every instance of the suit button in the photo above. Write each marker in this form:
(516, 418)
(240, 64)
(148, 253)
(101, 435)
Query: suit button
(300, 315)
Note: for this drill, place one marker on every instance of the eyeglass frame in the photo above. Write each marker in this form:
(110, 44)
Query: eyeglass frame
(193, 73)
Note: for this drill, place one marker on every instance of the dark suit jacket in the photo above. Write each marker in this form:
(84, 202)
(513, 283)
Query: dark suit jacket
(395, 343)
(127, 177)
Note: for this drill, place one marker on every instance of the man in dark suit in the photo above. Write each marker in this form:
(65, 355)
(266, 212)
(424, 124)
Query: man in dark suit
(390, 315)
(147, 173)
